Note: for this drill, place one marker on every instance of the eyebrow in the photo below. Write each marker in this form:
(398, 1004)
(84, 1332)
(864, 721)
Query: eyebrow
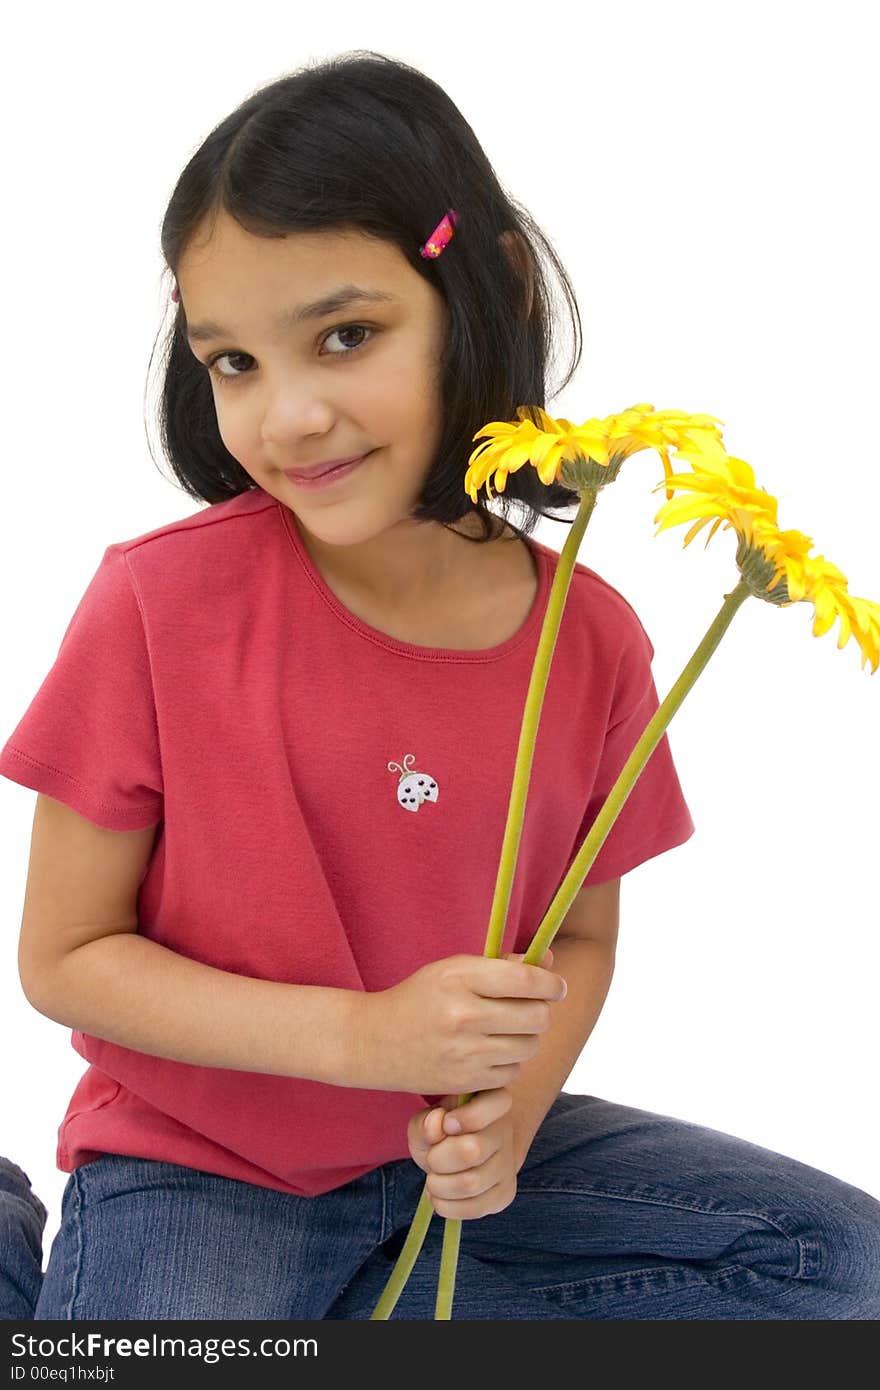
(330, 303)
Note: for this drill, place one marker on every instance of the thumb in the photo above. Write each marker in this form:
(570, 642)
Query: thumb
(426, 1129)
(432, 1118)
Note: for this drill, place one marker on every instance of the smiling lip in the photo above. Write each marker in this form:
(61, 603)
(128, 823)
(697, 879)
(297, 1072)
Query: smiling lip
(321, 468)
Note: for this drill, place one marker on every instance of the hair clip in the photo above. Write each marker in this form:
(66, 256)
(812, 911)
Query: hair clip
(175, 293)
(440, 237)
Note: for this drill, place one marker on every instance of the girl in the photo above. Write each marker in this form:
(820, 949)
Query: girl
(273, 762)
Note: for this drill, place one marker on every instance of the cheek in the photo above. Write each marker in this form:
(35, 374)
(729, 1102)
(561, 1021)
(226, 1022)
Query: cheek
(409, 381)
(236, 425)
(231, 436)
(242, 443)
(412, 415)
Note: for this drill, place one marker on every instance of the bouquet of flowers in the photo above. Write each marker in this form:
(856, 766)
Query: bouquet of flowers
(773, 565)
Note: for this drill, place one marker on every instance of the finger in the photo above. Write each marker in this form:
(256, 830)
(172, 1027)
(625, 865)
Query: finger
(465, 1153)
(525, 982)
(546, 962)
(494, 1199)
(483, 1109)
(463, 1184)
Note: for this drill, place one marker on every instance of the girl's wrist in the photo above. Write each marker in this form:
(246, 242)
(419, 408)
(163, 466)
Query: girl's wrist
(369, 1051)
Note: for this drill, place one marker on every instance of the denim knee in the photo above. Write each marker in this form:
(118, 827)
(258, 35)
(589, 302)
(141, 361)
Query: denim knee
(22, 1220)
(15, 1180)
(841, 1241)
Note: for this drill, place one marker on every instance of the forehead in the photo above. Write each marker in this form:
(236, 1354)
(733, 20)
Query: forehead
(233, 282)
(224, 252)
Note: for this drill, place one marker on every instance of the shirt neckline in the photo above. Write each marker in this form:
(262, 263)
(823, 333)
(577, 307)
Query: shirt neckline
(411, 649)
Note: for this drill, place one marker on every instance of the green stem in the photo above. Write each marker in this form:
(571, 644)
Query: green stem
(415, 1239)
(498, 913)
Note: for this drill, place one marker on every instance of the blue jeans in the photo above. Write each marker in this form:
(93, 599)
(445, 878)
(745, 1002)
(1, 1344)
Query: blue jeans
(619, 1213)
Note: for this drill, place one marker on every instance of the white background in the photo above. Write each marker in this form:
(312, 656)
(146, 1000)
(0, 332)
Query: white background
(707, 174)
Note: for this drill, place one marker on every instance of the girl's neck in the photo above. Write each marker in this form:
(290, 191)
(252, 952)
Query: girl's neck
(484, 596)
(410, 568)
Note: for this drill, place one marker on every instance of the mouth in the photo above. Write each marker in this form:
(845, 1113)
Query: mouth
(328, 479)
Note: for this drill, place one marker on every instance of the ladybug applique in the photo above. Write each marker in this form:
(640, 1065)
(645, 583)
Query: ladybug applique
(413, 787)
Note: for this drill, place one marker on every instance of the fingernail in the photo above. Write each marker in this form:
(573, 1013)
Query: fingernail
(453, 1126)
(564, 989)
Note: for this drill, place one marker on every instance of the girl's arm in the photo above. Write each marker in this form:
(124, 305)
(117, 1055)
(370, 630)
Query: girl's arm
(587, 968)
(83, 964)
(132, 991)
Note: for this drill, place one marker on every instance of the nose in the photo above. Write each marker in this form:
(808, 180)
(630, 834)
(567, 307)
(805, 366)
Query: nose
(293, 415)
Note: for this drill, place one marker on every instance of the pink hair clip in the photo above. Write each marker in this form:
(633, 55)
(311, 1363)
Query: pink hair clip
(440, 237)
(175, 293)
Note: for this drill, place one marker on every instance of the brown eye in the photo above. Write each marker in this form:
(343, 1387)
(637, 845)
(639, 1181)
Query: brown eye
(349, 328)
(225, 377)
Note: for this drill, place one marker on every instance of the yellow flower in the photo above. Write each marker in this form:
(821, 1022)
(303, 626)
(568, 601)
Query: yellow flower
(775, 564)
(583, 457)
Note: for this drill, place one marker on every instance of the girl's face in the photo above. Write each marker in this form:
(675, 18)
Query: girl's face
(325, 385)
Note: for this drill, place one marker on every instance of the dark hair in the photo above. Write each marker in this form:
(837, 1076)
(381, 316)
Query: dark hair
(362, 141)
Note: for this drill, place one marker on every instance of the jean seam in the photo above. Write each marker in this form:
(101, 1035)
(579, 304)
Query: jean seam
(79, 1225)
(677, 1275)
(682, 1206)
(387, 1201)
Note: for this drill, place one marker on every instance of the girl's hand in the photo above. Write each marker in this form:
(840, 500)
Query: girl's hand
(473, 1173)
(465, 1023)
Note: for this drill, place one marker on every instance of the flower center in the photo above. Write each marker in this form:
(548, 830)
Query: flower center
(758, 570)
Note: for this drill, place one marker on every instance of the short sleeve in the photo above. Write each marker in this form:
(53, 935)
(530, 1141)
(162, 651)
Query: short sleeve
(655, 816)
(89, 737)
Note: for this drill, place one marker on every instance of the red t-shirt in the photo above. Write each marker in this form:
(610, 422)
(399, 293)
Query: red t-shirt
(209, 680)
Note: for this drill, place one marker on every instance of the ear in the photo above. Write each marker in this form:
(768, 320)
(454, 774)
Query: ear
(515, 249)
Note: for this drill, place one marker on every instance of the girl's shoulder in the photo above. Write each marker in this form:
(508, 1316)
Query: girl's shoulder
(596, 600)
(248, 503)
